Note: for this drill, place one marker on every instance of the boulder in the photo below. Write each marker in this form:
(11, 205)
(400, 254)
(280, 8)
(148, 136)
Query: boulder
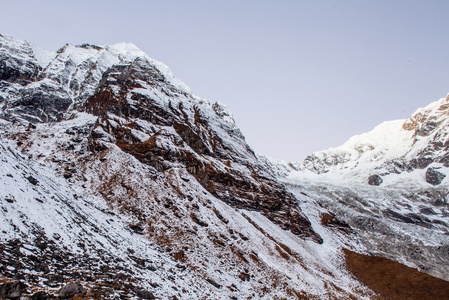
(12, 290)
(434, 177)
(144, 294)
(375, 180)
(32, 180)
(71, 289)
(42, 296)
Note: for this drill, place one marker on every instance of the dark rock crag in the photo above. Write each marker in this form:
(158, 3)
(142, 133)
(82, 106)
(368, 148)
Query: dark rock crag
(375, 180)
(434, 177)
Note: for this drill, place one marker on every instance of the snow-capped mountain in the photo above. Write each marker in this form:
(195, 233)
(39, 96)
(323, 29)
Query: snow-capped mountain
(394, 147)
(116, 176)
(116, 182)
(389, 184)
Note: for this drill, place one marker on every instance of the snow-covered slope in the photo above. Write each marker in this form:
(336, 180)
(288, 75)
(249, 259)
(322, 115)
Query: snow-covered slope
(113, 175)
(122, 228)
(389, 184)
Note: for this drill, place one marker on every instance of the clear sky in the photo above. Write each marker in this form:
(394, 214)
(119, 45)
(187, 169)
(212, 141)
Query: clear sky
(299, 76)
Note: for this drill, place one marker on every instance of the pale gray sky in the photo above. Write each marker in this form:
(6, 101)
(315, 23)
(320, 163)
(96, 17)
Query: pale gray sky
(299, 76)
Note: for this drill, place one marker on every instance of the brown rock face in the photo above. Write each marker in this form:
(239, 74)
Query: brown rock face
(164, 127)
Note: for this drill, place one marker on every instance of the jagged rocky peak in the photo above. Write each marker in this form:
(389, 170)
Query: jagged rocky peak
(41, 86)
(18, 62)
(223, 112)
(427, 119)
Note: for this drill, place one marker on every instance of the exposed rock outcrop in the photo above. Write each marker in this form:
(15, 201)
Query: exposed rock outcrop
(12, 290)
(434, 177)
(375, 180)
(71, 289)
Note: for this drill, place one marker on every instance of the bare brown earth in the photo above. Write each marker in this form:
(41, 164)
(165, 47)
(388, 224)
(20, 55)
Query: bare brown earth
(392, 280)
